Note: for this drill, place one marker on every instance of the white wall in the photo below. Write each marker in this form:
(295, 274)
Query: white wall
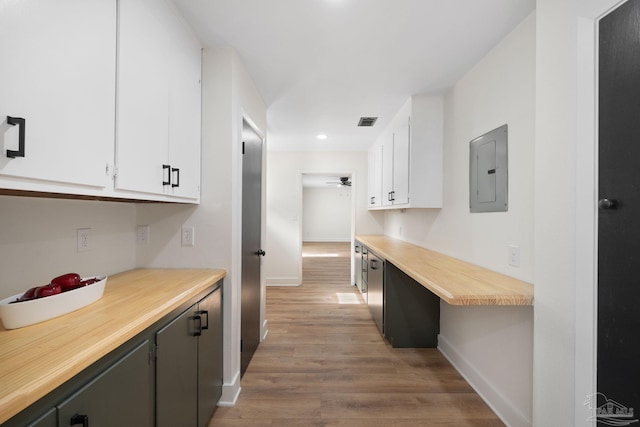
(228, 95)
(39, 240)
(491, 346)
(283, 264)
(326, 214)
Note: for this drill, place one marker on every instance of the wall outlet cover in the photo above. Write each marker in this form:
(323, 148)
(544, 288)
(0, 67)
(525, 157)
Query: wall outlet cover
(83, 239)
(188, 236)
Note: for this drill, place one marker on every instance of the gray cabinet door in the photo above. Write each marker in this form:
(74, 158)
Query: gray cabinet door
(375, 277)
(209, 356)
(177, 372)
(120, 396)
(47, 420)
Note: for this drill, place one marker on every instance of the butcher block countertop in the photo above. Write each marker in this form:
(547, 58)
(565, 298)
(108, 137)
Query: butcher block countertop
(36, 359)
(456, 282)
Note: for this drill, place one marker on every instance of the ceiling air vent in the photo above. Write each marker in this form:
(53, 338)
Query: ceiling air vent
(367, 121)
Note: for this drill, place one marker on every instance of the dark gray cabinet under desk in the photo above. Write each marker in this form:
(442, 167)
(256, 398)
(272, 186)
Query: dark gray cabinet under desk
(375, 288)
(411, 312)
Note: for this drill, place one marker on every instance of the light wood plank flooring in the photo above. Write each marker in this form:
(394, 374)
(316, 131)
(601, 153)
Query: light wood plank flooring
(324, 363)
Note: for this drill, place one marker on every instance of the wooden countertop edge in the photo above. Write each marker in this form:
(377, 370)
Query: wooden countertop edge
(32, 391)
(513, 298)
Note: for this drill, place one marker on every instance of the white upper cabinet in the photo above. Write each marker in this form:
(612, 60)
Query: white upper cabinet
(375, 176)
(184, 112)
(158, 113)
(107, 96)
(411, 166)
(401, 163)
(58, 74)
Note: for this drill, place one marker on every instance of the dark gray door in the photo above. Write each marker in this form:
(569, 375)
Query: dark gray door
(251, 244)
(619, 206)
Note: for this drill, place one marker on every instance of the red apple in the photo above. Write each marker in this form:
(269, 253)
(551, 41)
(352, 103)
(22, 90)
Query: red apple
(48, 290)
(88, 282)
(67, 281)
(30, 294)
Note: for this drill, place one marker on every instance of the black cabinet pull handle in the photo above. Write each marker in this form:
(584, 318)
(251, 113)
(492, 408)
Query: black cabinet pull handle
(261, 252)
(198, 329)
(373, 264)
(80, 419)
(21, 125)
(168, 169)
(206, 314)
(393, 196)
(373, 200)
(177, 181)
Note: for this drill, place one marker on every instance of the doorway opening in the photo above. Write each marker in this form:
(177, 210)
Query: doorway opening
(327, 217)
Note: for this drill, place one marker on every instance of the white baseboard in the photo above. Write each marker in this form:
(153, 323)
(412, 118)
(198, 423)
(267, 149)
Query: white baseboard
(327, 240)
(283, 281)
(230, 392)
(510, 415)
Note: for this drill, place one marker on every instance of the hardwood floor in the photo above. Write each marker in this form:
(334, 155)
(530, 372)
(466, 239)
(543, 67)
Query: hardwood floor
(324, 363)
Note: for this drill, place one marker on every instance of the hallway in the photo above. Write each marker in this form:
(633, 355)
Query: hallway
(324, 363)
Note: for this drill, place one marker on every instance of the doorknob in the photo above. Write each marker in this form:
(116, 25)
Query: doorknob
(261, 252)
(605, 204)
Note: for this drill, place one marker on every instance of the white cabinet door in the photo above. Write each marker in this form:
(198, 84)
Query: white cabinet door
(401, 150)
(375, 176)
(387, 171)
(184, 111)
(143, 96)
(57, 72)
(158, 118)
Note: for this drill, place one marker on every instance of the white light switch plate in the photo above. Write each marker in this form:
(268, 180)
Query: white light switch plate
(143, 234)
(514, 255)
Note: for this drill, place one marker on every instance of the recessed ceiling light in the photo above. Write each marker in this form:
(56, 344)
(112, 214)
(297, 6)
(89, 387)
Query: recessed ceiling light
(322, 136)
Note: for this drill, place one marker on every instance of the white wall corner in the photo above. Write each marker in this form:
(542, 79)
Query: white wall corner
(499, 403)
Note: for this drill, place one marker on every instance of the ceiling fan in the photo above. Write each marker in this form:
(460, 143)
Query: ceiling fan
(344, 181)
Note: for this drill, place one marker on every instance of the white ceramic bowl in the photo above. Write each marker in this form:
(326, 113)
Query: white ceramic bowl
(38, 310)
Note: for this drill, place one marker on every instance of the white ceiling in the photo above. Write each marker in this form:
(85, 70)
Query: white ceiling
(322, 64)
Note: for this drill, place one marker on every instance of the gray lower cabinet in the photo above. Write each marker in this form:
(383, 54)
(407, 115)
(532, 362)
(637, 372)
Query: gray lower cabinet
(411, 311)
(177, 372)
(49, 419)
(375, 288)
(210, 357)
(189, 365)
(120, 396)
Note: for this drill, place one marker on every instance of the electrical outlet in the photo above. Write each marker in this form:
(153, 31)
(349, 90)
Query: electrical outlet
(84, 239)
(143, 234)
(514, 255)
(188, 236)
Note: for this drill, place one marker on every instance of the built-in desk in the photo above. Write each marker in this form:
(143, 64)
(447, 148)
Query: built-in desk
(454, 281)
